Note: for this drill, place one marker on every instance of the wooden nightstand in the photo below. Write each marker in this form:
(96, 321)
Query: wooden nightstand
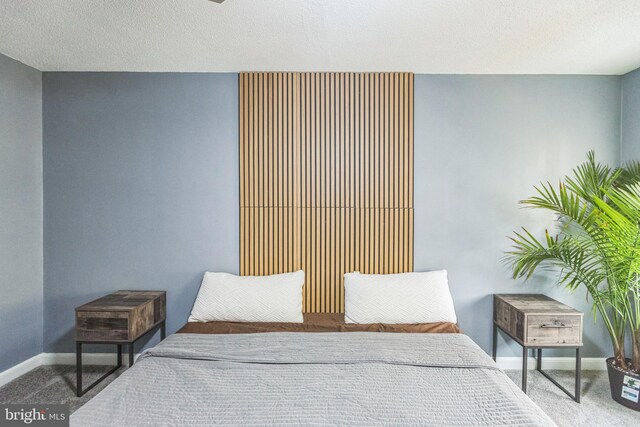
(118, 318)
(536, 321)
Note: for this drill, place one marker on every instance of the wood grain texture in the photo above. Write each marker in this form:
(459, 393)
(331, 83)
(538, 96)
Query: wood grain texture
(326, 177)
(121, 316)
(534, 319)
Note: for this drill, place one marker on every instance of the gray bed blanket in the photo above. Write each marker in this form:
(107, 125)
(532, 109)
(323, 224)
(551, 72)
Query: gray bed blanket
(288, 378)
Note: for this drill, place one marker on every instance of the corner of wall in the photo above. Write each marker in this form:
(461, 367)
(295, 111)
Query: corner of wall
(21, 167)
(42, 195)
(630, 109)
(620, 142)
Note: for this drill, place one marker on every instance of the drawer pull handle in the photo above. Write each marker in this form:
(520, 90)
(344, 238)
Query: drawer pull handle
(555, 325)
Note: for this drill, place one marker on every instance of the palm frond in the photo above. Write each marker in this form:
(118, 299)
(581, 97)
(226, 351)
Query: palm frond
(568, 205)
(597, 245)
(630, 174)
(591, 178)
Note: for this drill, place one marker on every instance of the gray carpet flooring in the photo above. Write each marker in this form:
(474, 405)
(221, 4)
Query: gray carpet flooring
(56, 384)
(596, 408)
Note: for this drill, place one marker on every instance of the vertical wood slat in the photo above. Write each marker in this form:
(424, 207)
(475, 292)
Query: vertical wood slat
(326, 185)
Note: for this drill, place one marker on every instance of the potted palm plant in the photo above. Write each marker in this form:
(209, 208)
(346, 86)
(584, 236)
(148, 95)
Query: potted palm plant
(596, 246)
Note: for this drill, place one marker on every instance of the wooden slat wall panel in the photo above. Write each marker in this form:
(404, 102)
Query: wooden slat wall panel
(339, 240)
(269, 244)
(269, 122)
(326, 177)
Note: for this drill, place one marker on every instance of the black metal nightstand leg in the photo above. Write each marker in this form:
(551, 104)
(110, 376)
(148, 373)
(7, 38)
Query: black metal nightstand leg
(578, 375)
(131, 352)
(79, 391)
(494, 351)
(163, 330)
(525, 357)
(78, 369)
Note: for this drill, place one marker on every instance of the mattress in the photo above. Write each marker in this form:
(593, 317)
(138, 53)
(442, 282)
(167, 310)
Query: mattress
(314, 322)
(291, 378)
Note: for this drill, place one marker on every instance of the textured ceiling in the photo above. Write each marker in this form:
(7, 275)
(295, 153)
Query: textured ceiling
(423, 36)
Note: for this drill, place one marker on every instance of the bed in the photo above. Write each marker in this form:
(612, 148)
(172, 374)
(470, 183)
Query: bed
(229, 373)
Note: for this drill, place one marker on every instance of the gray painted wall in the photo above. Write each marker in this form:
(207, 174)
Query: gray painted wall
(630, 149)
(140, 188)
(20, 212)
(481, 143)
(141, 182)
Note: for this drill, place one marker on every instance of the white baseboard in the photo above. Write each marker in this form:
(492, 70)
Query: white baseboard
(20, 369)
(87, 358)
(59, 359)
(559, 363)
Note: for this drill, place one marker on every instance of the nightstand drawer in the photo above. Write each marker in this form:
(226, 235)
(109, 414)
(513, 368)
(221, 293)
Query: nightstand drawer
(553, 329)
(122, 316)
(102, 326)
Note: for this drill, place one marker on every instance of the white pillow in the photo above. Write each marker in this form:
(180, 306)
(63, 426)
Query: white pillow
(398, 298)
(227, 297)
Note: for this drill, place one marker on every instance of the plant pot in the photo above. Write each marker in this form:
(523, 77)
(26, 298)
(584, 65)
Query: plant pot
(625, 387)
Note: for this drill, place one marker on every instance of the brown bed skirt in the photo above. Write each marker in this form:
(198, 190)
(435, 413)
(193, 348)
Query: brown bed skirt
(314, 322)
